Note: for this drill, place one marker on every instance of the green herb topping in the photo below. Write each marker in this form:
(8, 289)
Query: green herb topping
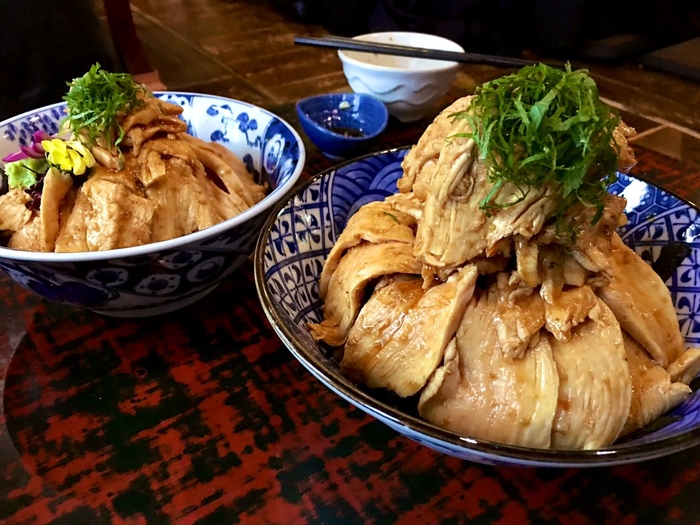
(543, 124)
(24, 173)
(97, 100)
(392, 217)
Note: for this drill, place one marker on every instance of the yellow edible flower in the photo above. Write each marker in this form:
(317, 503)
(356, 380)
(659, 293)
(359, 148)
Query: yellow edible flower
(69, 155)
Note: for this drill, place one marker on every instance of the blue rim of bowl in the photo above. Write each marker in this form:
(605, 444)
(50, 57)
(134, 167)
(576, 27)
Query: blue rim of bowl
(178, 242)
(488, 450)
(385, 119)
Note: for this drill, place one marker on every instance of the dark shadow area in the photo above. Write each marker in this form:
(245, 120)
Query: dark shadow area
(566, 29)
(44, 44)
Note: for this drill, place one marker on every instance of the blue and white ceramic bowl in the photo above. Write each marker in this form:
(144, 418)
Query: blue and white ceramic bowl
(342, 124)
(301, 231)
(164, 276)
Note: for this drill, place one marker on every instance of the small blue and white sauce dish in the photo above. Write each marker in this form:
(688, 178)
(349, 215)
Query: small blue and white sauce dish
(341, 124)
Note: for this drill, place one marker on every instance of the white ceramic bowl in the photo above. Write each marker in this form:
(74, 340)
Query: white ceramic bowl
(409, 87)
(164, 276)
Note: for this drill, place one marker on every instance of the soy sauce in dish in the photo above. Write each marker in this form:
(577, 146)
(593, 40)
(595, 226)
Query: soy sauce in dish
(346, 132)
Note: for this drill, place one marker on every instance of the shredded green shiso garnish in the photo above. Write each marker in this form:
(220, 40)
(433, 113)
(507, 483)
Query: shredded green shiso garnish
(392, 217)
(96, 100)
(541, 125)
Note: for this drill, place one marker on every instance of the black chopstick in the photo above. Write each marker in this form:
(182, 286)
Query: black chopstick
(350, 44)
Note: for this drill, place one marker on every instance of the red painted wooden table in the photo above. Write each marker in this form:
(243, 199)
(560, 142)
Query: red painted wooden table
(203, 417)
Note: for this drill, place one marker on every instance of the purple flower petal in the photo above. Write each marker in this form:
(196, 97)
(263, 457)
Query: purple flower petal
(38, 136)
(13, 157)
(29, 152)
(38, 149)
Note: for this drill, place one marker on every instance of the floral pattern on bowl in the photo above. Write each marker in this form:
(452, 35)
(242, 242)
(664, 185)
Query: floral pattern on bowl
(299, 234)
(165, 276)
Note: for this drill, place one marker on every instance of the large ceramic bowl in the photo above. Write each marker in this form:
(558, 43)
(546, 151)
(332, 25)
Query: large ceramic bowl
(300, 232)
(164, 276)
(411, 88)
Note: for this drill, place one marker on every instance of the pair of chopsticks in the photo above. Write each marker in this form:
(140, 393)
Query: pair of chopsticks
(350, 44)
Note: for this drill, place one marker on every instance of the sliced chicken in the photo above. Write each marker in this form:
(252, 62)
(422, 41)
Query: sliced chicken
(626, 160)
(653, 392)
(593, 240)
(407, 203)
(152, 110)
(149, 112)
(177, 183)
(420, 162)
(165, 125)
(235, 177)
(346, 292)
(117, 218)
(72, 235)
(168, 108)
(182, 203)
(686, 367)
(375, 222)
(569, 309)
(13, 210)
(454, 228)
(527, 260)
(400, 335)
(519, 313)
(642, 304)
(480, 393)
(556, 268)
(56, 185)
(109, 159)
(595, 389)
(28, 237)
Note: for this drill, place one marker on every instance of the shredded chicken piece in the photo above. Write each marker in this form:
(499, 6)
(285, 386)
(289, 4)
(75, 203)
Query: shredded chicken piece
(375, 222)
(519, 313)
(454, 228)
(593, 241)
(163, 184)
(569, 309)
(641, 303)
(420, 162)
(400, 336)
(479, 392)
(595, 388)
(357, 269)
(654, 391)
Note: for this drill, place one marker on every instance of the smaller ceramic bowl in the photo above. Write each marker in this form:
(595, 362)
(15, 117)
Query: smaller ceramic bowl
(411, 88)
(341, 124)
